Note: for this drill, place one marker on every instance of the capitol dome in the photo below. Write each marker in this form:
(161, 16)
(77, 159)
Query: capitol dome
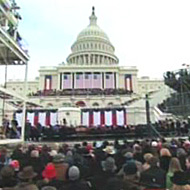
(93, 31)
(92, 46)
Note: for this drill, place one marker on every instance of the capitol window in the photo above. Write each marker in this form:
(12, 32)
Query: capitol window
(86, 76)
(65, 77)
(95, 76)
(78, 76)
(107, 76)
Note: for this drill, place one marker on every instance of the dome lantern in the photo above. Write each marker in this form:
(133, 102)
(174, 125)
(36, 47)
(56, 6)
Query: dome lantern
(93, 17)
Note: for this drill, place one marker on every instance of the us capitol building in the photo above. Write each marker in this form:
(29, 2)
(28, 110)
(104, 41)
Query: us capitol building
(91, 77)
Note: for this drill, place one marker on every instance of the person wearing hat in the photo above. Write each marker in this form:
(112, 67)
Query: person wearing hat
(180, 181)
(27, 176)
(36, 162)
(49, 177)
(7, 178)
(109, 167)
(129, 158)
(60, 167)
(75, 183)
(49, 172)
(109, 150)
(130, 178)
(154, 177)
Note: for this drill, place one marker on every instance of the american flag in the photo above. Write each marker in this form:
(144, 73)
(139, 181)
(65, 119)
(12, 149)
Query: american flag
(109, 80)
(48, 82)
(66, 81)
(97, 80)
(88, 78)
(79, 80)
(128, 82)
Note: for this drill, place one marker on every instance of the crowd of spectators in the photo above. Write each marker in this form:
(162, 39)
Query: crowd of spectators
(85, 91)
(120, 165)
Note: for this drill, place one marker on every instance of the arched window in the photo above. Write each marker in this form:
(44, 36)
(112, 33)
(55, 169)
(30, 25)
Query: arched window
(110, 104)
(49, 105)
(80, 104)
(95, 104)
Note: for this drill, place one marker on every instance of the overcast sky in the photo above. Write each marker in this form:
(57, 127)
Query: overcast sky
(153, 35)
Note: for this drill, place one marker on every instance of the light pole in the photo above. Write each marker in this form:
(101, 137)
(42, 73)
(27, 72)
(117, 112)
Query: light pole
(183, 72)
(147, 105)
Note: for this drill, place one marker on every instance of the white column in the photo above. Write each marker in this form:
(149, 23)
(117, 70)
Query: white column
(103, 59)
(58, 80)
(94, 59)
(75, 80)
(117, 80)
(104, 80)
(89, 62)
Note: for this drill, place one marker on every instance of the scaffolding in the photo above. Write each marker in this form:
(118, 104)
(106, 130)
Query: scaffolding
(12, 51)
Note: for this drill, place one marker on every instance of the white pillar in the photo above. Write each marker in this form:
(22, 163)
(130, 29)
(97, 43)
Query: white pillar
(103, 61)
(94, 59)
(117, 80)
(104, 80)
(89, 61)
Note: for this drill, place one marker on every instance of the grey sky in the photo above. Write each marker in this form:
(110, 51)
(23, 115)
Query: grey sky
(153, 35)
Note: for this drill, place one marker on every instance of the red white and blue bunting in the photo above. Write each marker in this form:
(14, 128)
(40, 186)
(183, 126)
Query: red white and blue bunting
(104, 117)
(45, 117)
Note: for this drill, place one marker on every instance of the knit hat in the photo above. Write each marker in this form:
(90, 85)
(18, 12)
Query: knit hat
(130, 168)
(154, 144)
(98, 144)
(89, 148)
(34, 154)
(109, 164)
(59, 158)
(15, 164)
(49, 171)
(53, 153)
(128, 155)
(74, 173)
